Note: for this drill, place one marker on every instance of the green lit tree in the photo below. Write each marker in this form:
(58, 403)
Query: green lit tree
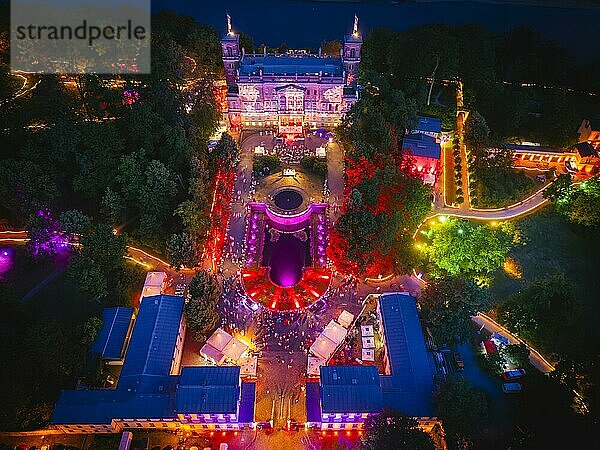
(459, 247)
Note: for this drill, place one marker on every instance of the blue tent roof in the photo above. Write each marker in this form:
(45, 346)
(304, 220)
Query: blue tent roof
(208, 390)
(409, 388)
(350, 389)
(111, 338)
(290, 65)
(429, 124)
(422, 145)
(150, 354)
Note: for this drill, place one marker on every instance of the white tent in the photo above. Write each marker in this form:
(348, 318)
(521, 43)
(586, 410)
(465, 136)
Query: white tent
(368, 342)
(219, 339)
(368, 354)
(313, 366)
(320, 152)
(323, 347)
(345, 319)
(366, 330)
(212, 354)
(153, 285)
(335, 332)
(235, 349)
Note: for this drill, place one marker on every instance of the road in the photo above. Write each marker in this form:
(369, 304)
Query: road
(535, 358)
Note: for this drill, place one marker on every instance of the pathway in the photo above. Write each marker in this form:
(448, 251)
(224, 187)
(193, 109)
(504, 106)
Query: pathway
(525, 207)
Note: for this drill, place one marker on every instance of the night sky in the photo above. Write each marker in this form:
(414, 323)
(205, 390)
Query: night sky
(305, 24)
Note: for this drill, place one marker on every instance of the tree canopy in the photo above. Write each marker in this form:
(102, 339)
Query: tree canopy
(461, 407)
(200, 311)
(393, 430)
(447, 305)
(460, 247)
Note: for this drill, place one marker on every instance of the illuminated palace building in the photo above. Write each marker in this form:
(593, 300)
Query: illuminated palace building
(289, 92)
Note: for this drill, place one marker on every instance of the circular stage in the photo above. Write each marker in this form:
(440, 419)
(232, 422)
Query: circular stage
(288, 199)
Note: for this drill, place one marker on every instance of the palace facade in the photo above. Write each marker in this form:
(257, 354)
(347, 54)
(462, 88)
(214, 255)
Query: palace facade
(291, 92)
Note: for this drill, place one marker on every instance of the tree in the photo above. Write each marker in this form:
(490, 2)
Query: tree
(459, 247)
(195, 221)
(392, 430)
(476, 132)
(331, 48)
(266, 165)
(97, 265)
(547, 312)
(182, 251)
(88, 331)
(226, 154)
(74, 222)
(461, 407)
(447, 304)
(200, 311)
(204, 286)
(112, 207)
(560, 188)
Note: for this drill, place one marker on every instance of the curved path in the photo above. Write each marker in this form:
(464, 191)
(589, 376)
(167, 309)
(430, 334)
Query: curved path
(523, 208)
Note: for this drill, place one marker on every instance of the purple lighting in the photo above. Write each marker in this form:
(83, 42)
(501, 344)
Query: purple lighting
(6, 261)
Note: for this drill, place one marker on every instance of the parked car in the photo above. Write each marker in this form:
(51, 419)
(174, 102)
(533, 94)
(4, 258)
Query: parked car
(512, 388)
(460, 365)
(514, 374)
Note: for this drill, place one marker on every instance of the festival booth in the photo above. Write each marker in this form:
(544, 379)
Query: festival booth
(314, 366)
(368, 354)
(248, 365)
(366, 330)
(368, 342)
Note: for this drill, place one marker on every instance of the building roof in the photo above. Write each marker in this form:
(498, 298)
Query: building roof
(313, 402)
(247, 402)
(409, 387)
(422, 145)
(429, 124)
(350, 389)
(594, 123)
(111, 339)
(585, 149)
(208, 390)
(152, 345)
(100, 406)
(291, 65)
